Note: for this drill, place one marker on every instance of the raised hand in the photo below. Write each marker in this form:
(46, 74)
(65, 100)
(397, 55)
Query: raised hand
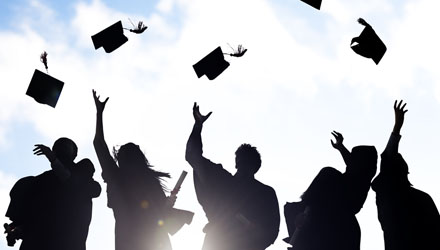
(339, 140)
(199, 118)
(99, 105)
(41, 149)
(399, 115)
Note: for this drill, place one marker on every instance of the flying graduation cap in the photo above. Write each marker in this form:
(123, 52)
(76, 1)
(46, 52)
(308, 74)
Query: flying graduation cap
(113, 36)
(314, 3)
(368, 43)
(110, 38)
(44, 88)
(214, 63)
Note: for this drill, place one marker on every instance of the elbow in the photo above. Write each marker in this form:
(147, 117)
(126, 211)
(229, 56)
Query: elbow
(96, 190)
(193, 159)
(189, 157)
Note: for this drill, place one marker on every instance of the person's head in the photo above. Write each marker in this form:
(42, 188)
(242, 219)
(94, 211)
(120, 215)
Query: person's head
(65, 150)
(325, 188)
(85, 168)
(247, 159)
(132, 161)
(130, 156)
(397, 168)
(364, 157)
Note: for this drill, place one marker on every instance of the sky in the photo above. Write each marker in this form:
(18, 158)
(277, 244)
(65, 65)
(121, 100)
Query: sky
(298, 81)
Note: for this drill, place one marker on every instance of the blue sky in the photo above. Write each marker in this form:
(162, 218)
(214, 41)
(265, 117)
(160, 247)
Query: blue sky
(298, 82)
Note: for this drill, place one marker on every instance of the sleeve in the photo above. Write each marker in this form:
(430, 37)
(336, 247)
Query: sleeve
(392, 147)
(204, 169)
(108, 165)
(270, 222)
(61, 171)
(259, 221)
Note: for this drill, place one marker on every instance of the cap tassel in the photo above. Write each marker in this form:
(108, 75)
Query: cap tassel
(43, 59)
(141, 27)
(237, 53)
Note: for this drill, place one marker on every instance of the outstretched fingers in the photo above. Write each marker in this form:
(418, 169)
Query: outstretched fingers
(398, 107)
(99, 105)
(41, 149)
(338, 139)
(199, 118)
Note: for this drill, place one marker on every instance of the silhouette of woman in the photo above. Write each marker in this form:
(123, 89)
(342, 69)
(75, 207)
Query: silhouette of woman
(325, 218)
(134, 192)
(408, 216)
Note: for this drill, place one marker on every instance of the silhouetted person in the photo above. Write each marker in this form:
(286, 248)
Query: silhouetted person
(409, 218)
(53, 210)
(242, 212)
(135, 193)
(325, 218)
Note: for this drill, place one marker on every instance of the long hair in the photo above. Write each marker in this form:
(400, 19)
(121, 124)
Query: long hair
(131, 159)
(325, 188)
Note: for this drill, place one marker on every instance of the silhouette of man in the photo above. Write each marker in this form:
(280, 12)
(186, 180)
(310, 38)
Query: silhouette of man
(52, 211)
(408, 216)
(242, 212)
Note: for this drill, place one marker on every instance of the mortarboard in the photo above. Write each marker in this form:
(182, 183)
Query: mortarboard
(44, 88)
(314, 3)
(110, 38)
(211, 65)
(368, 44)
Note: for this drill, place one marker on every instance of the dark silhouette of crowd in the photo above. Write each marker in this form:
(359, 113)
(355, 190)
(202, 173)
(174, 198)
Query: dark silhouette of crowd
(53, 210)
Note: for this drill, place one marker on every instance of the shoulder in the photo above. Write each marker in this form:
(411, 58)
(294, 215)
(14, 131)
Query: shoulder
(45, 176)
(266, 189)
(85, 168)
(23, 184)
(25, 181)
(419, 195)
(217, 170)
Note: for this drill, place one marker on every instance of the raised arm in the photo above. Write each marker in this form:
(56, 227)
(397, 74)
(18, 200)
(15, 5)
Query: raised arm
(399, 116)
(339, 145)
(105, 159)
(61, 171)
(194, 151)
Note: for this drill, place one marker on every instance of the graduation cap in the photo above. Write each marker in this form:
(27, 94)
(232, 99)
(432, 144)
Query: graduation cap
(368, 44)
(44, 88)
(314, 3)
(110, 38)
(211, 65)
(214, 63)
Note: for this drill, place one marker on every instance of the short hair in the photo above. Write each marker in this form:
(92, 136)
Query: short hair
(62, 149)
(249, 156)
